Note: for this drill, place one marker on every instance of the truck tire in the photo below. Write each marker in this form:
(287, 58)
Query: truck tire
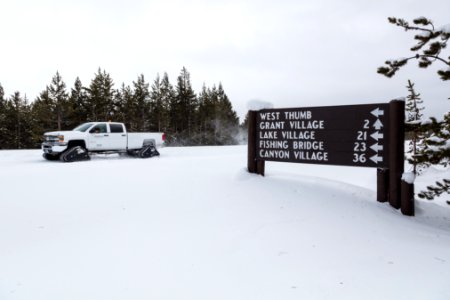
(148, 151)
(49, 156)
(73, 154)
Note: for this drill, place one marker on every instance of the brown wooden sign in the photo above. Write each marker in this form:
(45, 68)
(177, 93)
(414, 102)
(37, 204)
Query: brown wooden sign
(351, 135)
(365, 135)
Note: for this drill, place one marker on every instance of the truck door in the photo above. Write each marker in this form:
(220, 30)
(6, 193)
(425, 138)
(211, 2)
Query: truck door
(97, 137)
(117, 139)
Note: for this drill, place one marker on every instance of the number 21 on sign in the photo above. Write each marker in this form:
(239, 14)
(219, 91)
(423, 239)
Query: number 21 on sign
(362, 136)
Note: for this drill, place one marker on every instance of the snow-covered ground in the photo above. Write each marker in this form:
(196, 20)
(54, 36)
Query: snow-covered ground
(193, 224)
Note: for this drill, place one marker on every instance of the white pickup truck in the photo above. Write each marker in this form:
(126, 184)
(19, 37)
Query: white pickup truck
(99, 137)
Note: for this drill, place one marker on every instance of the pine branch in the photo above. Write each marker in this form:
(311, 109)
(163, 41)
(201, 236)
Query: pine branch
(428, 56)
(419, 21)
(434, 191)
(394, 65)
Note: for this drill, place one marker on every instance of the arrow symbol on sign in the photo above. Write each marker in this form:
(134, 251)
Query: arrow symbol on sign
(377, 135)
(376, 147)
(377, 112)
(378, 124)
(376, 159)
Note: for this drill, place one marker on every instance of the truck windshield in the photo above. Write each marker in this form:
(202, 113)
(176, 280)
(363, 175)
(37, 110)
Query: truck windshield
(83, 127)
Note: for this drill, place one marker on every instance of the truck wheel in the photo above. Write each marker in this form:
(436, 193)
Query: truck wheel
(73, 154)
(133, 153)
(148, 151)
(48, 156)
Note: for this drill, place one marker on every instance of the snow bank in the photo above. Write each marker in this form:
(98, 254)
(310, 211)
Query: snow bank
(193, 224)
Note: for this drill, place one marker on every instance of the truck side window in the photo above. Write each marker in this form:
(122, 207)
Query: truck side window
(99, 128)
(116, 128)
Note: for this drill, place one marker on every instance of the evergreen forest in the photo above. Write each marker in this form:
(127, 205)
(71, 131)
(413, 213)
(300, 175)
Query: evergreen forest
(188, 118)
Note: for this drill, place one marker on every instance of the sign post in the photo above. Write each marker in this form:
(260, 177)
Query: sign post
(251, 156)
(253, 165)
(397, 150)
(365, 135)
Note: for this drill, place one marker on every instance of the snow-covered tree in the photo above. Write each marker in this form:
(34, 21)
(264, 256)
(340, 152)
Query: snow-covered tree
(413, 120)
(431, 42)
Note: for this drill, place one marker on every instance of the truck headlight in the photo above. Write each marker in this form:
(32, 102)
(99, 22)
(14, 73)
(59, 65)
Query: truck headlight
(61, 138)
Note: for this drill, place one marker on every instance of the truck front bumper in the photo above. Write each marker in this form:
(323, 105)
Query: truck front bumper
(52, 148)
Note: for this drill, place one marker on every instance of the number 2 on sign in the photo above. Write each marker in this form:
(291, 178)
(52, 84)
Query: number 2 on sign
(366, 124)
(362, 136)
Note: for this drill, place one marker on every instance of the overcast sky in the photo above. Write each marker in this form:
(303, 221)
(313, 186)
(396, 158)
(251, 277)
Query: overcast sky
(290, 53)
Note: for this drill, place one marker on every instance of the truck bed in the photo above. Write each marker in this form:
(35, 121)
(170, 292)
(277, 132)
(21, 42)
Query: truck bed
(135, 139)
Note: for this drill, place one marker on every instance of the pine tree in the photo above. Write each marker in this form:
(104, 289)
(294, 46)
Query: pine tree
(43, 115)
(101, 97)
(430, 44)
(244, 123)
(124, 107)
(28, 126)
(118, 104)
(413, 119)
(58, 95)
(437, 150)
(141, 107)
(213, 117)
(184, 109)
(218, 122)
(160, 96)
(78, 105)
(167, 97)
(228, 120)
(206, 115)
(243, 131)
(18, 123)
(3, 130)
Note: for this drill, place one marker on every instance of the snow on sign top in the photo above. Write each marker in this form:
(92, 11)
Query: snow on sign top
(352, 135)
(409, 177)
(258, 105)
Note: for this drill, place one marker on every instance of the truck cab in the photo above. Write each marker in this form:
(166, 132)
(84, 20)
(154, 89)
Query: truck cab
(105, 136)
